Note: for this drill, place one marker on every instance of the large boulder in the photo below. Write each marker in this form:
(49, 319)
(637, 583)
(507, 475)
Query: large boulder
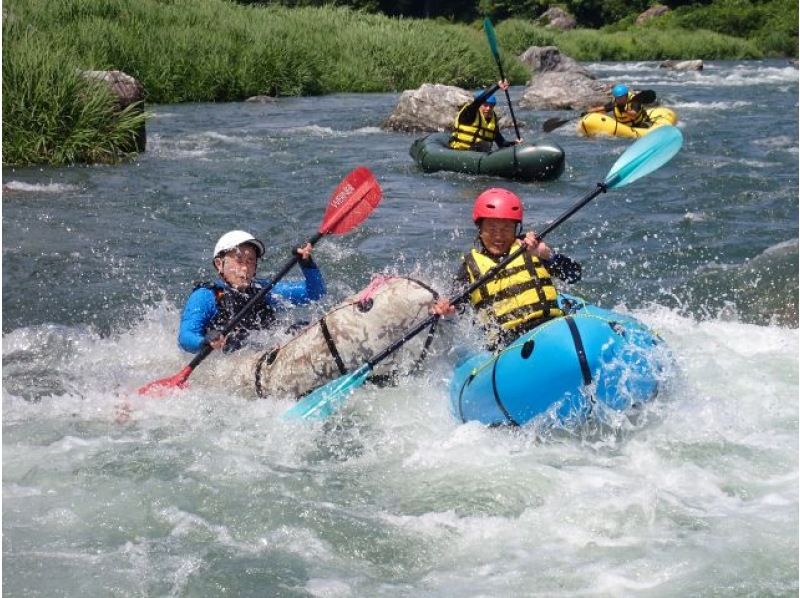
(557, 18)
(432, 107)
(126, 91)
(654, 11)
(555, 90)
(542, 59)
(682, 65)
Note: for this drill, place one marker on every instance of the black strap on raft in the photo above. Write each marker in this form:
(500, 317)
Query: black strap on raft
(326, 334)
(425, 346)
(431, 331)
(509, 420)
(461, 398)
(576, 338)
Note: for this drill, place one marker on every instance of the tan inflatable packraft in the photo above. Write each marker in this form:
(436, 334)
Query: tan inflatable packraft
(348, 336)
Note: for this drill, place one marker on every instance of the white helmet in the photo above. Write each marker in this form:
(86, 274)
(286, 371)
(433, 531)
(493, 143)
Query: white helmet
(234, 238)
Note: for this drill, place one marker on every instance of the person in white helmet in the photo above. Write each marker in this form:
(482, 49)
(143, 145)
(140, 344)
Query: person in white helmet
(211, 305)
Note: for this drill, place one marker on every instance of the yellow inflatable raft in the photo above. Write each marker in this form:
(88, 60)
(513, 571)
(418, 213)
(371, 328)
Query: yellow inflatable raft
(596, 123)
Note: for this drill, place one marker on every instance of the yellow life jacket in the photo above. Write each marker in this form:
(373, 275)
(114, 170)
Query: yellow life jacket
(472, 136)
(633, 121)
(518, 295)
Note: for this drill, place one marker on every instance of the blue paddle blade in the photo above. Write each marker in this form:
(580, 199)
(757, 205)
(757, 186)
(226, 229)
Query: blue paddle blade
(487, 27)
(328, 399)
(647, 154)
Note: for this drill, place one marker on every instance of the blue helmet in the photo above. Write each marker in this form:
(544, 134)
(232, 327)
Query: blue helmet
(491, 100)
(619, 90)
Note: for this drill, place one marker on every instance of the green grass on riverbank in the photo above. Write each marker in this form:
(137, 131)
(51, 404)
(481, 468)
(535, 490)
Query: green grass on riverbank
(641, 43)
(52, 115)
(215, 50)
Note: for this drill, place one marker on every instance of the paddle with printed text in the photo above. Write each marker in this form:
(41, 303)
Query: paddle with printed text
(349, 205)
(487, 27)
(648, 96)
(643, 157)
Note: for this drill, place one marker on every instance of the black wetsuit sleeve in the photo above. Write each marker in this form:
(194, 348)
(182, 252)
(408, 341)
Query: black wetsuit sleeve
(500, 140)
(469, 113)
(564, 268)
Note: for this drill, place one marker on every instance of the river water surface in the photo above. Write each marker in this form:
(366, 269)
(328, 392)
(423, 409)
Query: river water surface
(207, 493)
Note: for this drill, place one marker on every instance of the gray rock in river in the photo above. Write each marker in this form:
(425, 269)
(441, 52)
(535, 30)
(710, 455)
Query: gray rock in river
(559, 82)
(566, 90)
(543, 59)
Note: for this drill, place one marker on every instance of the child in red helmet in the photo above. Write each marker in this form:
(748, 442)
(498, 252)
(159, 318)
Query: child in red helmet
(522, 295)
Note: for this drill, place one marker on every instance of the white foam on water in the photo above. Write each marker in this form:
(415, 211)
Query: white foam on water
(710, 105)
(394, 478)
(695, 216)
(178, 149)
(323, 131)
(314, 131)
(231, 139)
(369, 131)
(748, 76)
(777, 142)
(23, 187)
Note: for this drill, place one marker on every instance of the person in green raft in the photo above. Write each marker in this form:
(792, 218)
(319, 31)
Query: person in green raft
(475, 127)
(522, 295)
(628, 108)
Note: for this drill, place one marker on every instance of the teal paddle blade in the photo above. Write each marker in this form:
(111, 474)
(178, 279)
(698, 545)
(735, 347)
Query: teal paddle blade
(328, 399)
(487, 27)
(647, 154)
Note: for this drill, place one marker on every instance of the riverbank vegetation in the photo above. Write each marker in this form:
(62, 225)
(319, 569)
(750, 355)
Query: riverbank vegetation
(51, 114)
(770, 25)
(218, 50)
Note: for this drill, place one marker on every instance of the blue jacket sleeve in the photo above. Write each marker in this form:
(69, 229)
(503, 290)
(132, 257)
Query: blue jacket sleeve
(200, 309)
(300, 292)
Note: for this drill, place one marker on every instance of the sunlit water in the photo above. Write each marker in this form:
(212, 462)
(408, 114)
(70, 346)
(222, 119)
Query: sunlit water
(207, 493)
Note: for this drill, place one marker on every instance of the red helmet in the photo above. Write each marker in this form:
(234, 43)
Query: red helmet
(497, 203)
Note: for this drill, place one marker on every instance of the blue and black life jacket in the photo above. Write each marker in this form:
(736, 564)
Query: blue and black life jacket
(229, 302)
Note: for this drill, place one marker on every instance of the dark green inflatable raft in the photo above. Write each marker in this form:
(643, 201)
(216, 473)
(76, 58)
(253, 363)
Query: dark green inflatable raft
(523, 162)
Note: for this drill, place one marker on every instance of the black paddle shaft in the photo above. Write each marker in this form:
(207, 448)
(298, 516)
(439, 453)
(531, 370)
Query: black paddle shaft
(464, 295)
(508, 97)
(206, 350)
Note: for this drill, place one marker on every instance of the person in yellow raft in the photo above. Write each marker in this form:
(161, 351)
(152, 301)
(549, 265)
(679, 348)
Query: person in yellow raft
(522, 295)
(475, 127)
(627, 107)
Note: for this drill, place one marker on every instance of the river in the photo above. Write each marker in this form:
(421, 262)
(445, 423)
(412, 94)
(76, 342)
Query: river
(207, 493)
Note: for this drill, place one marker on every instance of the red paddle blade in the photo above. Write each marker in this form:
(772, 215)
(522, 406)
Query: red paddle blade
(161, 387)
(352, 201)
